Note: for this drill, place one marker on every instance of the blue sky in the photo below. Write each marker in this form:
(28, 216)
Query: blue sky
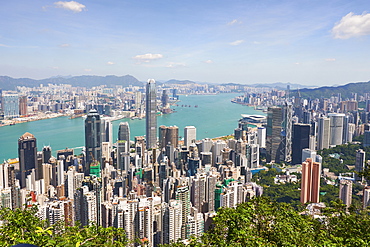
(218, 41)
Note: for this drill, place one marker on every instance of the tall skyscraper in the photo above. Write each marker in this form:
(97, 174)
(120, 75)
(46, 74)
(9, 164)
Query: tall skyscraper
(336, 128)
(151, 114)
(286, 134)
(345, 191)
(190, 135)
(310, 182)
(323, 133)
(273, 134)
(301, 138)
(92, 141)
(27, 153)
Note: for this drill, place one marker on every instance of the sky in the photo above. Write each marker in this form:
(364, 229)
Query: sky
(308, 42)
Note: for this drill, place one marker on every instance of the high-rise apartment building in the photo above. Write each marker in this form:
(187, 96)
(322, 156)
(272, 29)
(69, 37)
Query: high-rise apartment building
(359, 163)
(323, 135)
(345, 191)
(27, 153)
(310, 182)
(183, 195)
(92, 141)
(190, 135)
(151, 114)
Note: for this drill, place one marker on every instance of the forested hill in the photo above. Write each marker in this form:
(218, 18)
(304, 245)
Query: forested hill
(359, 87)
(9, 83)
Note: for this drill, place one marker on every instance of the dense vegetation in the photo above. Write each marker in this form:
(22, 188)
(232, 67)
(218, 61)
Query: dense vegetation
(22, 226)
(262, 222)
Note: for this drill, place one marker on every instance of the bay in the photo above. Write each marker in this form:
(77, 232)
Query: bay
(215, 116)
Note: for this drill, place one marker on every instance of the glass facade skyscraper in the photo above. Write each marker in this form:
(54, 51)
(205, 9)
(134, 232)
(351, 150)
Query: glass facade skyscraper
(151, 114)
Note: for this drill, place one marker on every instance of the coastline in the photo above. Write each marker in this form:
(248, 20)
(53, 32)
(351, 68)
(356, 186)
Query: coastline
(40, 116)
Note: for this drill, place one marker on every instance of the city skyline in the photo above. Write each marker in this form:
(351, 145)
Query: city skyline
(310, 43)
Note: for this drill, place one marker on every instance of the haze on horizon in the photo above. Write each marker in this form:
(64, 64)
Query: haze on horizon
(304, 42)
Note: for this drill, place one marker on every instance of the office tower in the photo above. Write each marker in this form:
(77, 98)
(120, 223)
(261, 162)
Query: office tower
(168, 135)
(164, 99)
(239, 133)
(273, 134)
(261, 137)
(359, 163)
(46, 154)
(310, 182)
(306, 117)
(308, 153)
(124, 131)
(366, 142)
(183, 195)
(301, 140)
(23, 105)
(190, 135)
(345, 191)
(346, 130)
(323, 134)
(217, 147)
(151, 114)
(336, 128)
(27, 153)
(286, 134)
(10, 103)
(252, 155)
(108, 131)
(1, 99)
(92, 141)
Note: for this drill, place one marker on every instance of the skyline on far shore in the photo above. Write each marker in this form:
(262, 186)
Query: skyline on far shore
(305, 42)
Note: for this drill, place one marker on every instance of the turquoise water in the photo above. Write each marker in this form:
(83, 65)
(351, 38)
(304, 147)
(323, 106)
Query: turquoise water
(215, 116)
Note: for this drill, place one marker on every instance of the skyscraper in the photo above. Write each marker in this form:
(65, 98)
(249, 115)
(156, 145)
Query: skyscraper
(168, 135)
(359, 163)
(23, 105)
(323, 133)
(336, 128)
(273, 134)
(310, 182)
(27, 153)
(124, 132)
(92, 140)
(151, 114)
(301, 137)
(190, 135)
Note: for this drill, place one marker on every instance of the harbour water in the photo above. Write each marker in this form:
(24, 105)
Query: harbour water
(215, 116)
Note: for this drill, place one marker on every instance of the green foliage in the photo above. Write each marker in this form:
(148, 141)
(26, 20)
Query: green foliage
(262, 222)
(22, 226)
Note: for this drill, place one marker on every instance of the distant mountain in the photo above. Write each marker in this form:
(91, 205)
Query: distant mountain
(9, 83)
(174, 81)
(326, 92)
(280, 85)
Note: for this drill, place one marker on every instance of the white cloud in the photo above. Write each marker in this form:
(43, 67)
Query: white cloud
(88, 70)
(330, 59)
(208, 61)
(235, 21)
(148, 56)
(256, 42)
(72, 6)
(55, 67)
(2, 45)
(352, 25)
(297, 63)
(110, 63)
(65, 45)
(236, 42)
(175, 65)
